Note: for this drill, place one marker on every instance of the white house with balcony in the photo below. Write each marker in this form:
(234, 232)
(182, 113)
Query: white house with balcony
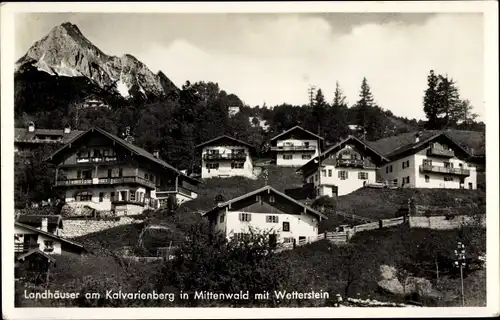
(226, 156)
(343, 168)
(268, 211)
(295, 147)
(431, 161)
(106, 173)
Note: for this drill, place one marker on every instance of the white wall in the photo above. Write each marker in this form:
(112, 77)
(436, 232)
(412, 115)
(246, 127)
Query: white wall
(296, 160)
(399, 173)
(225, 169)
(303, 225)
(352, 183)
(40, 239)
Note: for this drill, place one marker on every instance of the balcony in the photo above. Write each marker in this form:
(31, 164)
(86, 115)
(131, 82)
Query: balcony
(147, 202)
(294, 148)
(25, 247)
(166, 191)
(355, 163)
(437, 169)
(440, 152)
(225, 156)
(99, 181)
(103, 159)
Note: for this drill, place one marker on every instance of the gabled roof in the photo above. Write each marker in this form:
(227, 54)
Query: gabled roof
(37, 219)
(133, 148)
(326, 152)
(50, 235)
(296, 128)
(23, 135)
(266, 188)
(212, 141)
(35, 251)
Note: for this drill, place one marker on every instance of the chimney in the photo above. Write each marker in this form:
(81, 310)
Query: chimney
(31, 126)
(67, 129)
(417, 137)
(156, 153)
(45, 224)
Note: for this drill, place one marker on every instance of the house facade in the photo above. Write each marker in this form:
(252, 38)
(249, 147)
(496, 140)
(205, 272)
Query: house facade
(343, 168)
(106, 173)
(295, 147)
(265, 210)
(226, 156)
(28, 238)
(27, 139)
(48, 223)
(433, 162)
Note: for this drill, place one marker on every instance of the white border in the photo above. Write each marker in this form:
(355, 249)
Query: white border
(488, 8)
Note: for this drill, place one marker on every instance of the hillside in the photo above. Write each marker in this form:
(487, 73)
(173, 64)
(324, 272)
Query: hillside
(384, 203)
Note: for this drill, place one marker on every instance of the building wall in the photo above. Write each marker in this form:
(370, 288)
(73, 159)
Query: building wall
(446, 223)
(351, 184)
(225, 169)
(40, 239)
(300, 225)
(398, 173)
(296, 160)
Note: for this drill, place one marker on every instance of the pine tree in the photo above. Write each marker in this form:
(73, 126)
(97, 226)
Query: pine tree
(319, 110)
(364, 104)
(431, 107)
(448, 101)
(336, 119)
(339, 100)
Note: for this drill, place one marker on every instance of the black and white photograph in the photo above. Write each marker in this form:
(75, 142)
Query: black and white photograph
(250, 157)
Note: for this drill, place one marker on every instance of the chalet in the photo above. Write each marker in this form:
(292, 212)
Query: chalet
(430, 160)
(93, 102)
(28, 238)
(265, 210)
(295, 147)
(226, 156)
(47, 223)
(343, 168)
(27, 139)
(106, 173)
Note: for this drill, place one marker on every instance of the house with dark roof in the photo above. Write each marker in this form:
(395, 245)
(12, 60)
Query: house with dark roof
(430, 159)
(226, 156)
(343, 168)
(27, 139)
(265, 210)
(296, 146)
(100, 170)
(47, 223)
(28, 238)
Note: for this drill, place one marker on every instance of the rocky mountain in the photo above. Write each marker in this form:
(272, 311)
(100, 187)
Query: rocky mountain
(66, 53)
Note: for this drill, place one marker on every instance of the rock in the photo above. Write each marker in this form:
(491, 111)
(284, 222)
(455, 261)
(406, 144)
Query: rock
(421, 286)
(387, 272)
(392, 286)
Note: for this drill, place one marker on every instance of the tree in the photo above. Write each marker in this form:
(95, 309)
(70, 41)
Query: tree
(336, 119)
(431, 107)
(464, 114)
(448, 101)
(369, 116)
(319, 110)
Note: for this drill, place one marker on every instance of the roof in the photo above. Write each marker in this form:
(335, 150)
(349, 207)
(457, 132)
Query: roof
(224, 137)
(323, 154)
(23, 135)
(224, 204)
(296, 128)
(471, 141)
(50, 235)
(32, 219)
(37, 251)
(135, 149)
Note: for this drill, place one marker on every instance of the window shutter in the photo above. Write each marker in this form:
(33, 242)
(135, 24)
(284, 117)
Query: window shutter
(249, 217)
(241, 216)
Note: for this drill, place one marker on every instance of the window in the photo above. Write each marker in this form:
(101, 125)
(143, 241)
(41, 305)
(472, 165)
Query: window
(343, 175)
(306, 156)
(315, 177)
(246, 217)
(287, 157)
(390, 168)
(120, 172)
(272, 219)
(427, 178)
(221, 218)
(448, 164)
(213, 151)
(213, 166)
(132, 195)
(84, 196)
(242, 236)
(110, 173)
(237, 165)
(363, 175)
(470, 185)
(395, 181)
(146, 176)
(427, 162)
(460, 165)
(387, 169)
(329, 172)
(448, 178)
(403, 164)
(112, 196)
(49, 245)
(286, 226)
(323, 173)
(258, 198)
(101, 196)
(408, 179)
(271, 199)
(306, 144)
(406, 164)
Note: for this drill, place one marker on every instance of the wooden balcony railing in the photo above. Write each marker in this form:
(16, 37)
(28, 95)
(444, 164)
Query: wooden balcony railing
(438, 169)
(24, 247)
(357, 163)
(109, 159)
(293, 148)
(113, 181)
(225, 156)
(440, 152)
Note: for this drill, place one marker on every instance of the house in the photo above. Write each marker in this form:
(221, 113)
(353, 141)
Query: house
(296, 146)
(226, 156)
(233, 110)
(265, 210)
(28, 238)
(345, 167)
(106, 173)
(430, 160)
(48, 223)
(27, 139)
(93, 102)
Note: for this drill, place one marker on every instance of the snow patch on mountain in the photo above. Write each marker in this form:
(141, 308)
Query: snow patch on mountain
(122, 88)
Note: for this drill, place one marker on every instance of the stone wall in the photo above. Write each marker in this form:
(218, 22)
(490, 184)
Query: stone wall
(77, 228)
(446, 222)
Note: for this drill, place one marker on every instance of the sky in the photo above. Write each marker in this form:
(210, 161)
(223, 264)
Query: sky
(274, 58)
